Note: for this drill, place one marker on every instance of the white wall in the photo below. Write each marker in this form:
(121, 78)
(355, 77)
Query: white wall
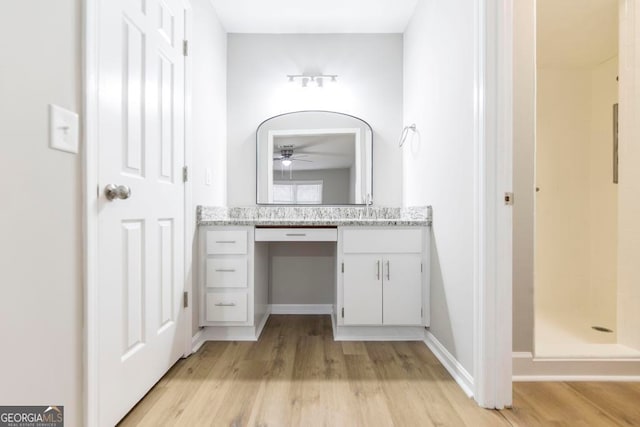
(41, 293)
(369, 86)
(438, 160)
(303, 273)
(524, 82)
(209, 116)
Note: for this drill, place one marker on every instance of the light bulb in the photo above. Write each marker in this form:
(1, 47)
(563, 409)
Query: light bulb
(286, 162)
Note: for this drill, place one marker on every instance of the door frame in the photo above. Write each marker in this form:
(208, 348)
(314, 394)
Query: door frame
(91, 195)
(493, 252)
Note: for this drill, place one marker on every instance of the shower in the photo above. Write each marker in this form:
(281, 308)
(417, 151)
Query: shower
(577, 200)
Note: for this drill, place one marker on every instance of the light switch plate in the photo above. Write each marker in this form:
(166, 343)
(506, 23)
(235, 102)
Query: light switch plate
(63, 129)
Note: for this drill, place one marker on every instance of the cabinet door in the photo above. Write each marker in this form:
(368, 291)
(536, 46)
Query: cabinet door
(402, 290)
(362, 290)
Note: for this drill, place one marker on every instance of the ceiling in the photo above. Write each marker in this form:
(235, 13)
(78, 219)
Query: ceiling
(306, 16)
(576, 33)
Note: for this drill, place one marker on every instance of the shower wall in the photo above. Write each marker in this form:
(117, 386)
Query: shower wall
(576, 207)
(629, 187)
(603, 212)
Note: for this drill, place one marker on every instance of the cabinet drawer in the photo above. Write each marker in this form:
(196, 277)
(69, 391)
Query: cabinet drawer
(296, 235)
(404, 240)
(227, 242)
(227, 272)
(227, 307)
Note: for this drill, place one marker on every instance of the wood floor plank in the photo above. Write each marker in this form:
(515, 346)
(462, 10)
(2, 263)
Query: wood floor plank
(370, 406)
(353, 348)
(464, 407)
(185, 377)
(207, 399)
(607, 397)
(410, 409)
(272, 406)
(559, 404)
(297, 375)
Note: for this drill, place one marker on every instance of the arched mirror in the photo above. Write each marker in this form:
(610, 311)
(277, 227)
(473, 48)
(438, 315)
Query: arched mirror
(314, 158)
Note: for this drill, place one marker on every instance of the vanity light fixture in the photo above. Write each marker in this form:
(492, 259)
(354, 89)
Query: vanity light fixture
(318, 79)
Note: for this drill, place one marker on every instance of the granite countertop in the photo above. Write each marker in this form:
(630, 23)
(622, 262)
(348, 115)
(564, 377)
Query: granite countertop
(310, 216)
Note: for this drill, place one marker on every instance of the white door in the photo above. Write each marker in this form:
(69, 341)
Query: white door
(140, 238)
(402, 290)
(362, 290)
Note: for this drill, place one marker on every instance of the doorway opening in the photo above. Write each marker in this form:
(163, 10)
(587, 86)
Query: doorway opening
(577, 188)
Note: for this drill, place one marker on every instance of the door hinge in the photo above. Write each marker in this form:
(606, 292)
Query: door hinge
(343, 271)
(343, 312)
(185, 299)
(185, 174)
(508, 199)
(420, 267)
(185, 47)
(421, 312)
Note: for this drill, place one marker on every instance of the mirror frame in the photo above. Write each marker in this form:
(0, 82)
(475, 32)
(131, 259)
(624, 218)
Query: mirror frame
(305, 204)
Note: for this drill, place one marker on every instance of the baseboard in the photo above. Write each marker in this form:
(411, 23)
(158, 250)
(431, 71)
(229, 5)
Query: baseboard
(378, 333)
(575, 378)
(301, 308)
(528, 368)
(229, 333)
(196, 341)
(333, 325)
(457, 371)
(263, 322)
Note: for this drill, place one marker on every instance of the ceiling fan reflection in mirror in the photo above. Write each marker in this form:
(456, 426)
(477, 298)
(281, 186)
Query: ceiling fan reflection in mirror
(287, 158)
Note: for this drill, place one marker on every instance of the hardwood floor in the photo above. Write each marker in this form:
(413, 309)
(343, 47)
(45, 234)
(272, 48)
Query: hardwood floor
(296, 375)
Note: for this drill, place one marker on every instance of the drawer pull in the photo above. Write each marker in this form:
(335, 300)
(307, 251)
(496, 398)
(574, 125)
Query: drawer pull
(222, 304)
(378, 275)
(226, 270)
(388, 270)
(225, 241)
(297, 234)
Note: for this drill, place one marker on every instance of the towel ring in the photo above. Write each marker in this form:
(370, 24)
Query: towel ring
(405, 133)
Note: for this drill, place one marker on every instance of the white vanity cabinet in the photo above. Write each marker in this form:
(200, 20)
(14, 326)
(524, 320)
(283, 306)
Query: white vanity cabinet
(233, 294)
(381, 283)
(382, 276)
(226, 275)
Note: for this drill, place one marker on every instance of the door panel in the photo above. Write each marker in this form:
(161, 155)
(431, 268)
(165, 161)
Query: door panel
(133, 302)
(362, 290)
(402, 290)
(167, 282)
(140, 238)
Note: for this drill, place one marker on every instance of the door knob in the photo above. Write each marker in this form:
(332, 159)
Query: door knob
(113, 192)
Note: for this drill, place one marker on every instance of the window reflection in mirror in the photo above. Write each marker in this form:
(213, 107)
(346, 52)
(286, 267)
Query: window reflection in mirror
(314, 158)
